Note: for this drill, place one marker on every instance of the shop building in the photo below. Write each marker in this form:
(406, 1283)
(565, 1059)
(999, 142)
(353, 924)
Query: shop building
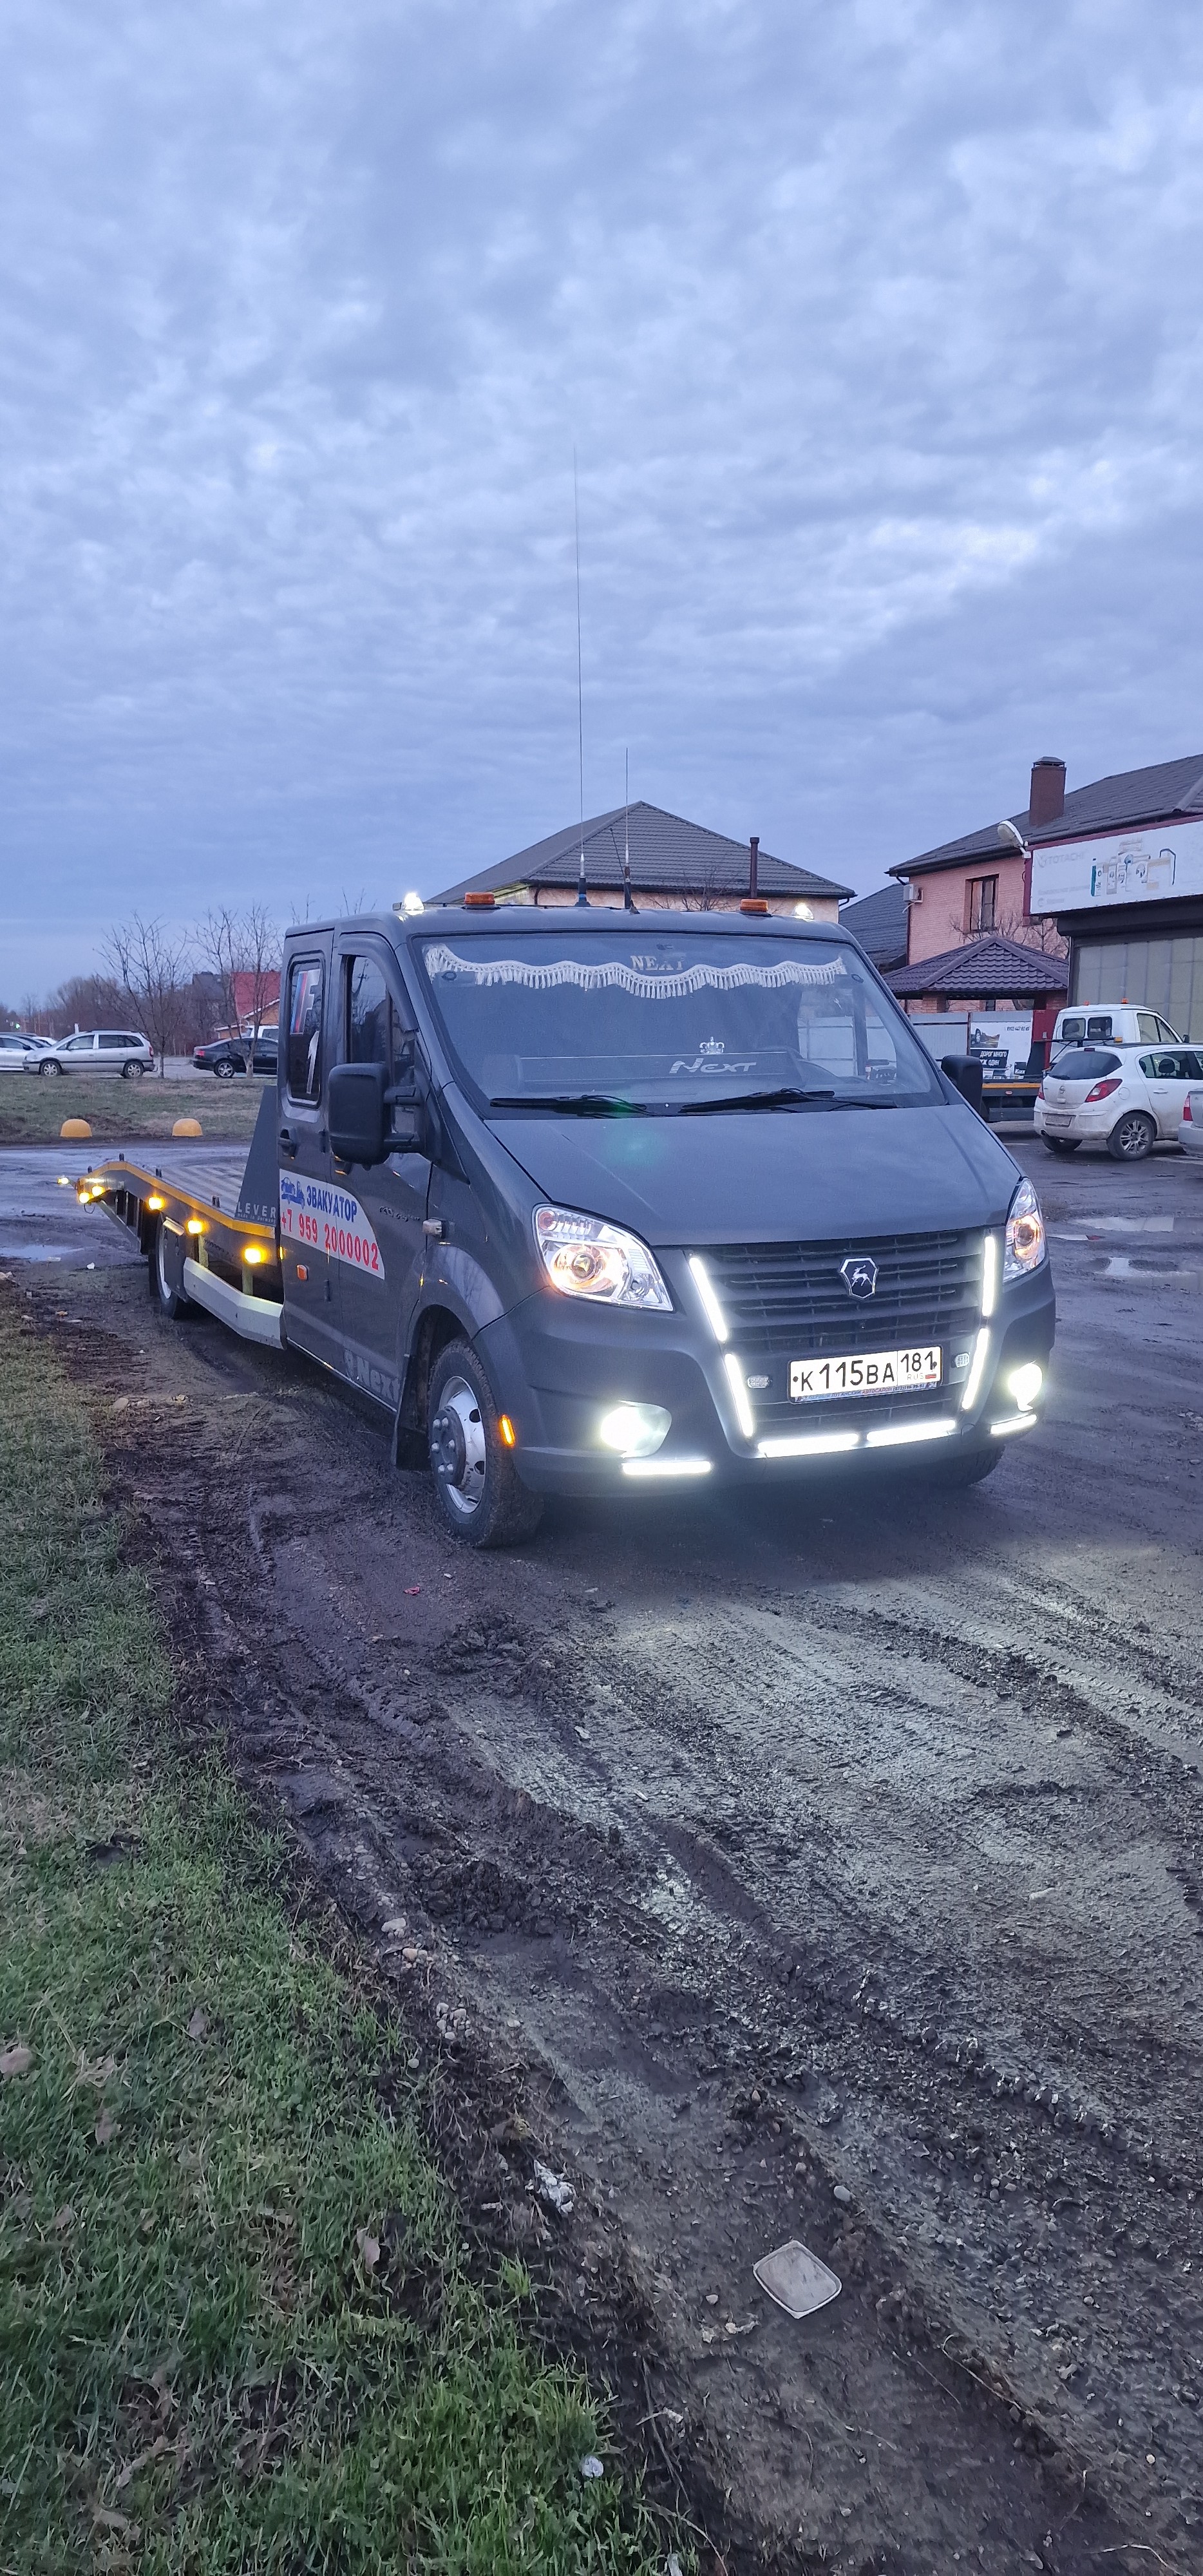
(1108, 877)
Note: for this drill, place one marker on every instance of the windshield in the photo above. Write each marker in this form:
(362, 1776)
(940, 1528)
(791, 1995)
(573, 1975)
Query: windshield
(660, 1021)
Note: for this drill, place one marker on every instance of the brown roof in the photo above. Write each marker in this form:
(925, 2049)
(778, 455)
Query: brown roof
(668, 856)
(1131, 797)
(983, 969)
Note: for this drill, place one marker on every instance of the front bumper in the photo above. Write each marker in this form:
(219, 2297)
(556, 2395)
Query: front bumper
(558, 1367)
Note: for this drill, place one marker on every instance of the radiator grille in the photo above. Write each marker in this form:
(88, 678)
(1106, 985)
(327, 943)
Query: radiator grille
(789, 1298)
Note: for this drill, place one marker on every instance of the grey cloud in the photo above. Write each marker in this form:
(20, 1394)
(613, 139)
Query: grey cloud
(874, 329)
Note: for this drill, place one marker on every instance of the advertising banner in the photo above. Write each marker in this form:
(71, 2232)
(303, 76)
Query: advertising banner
(1119, 867)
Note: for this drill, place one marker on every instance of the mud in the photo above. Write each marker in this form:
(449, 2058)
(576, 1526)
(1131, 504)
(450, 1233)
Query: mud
(733, 1856)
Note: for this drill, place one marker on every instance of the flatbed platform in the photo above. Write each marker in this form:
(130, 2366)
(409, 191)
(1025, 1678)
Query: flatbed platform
(206, 1223)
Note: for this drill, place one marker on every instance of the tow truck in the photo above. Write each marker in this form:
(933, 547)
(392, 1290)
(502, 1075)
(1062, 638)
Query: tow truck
(590, 1204)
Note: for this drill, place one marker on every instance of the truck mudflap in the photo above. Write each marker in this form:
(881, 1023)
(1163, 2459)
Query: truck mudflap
(257, 1319)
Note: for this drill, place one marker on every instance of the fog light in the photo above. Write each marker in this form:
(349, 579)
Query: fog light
(1025, 1384)
(635, 1430)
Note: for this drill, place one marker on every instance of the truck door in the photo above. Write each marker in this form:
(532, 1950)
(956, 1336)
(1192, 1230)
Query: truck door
(306, 1179)
(379, 1282)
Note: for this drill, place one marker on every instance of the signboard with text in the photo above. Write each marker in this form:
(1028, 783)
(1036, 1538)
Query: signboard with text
(1119, 867)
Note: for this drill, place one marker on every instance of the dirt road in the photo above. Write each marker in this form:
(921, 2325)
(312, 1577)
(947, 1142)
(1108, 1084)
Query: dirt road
(832, 1864)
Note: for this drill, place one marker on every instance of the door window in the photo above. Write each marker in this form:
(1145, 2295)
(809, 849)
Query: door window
(305, 983)
(370, 1016)
(79, 1046)
(112, 1038)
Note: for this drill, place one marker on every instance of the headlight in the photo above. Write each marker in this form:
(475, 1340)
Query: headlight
(584, 1257)
(1026, 1247)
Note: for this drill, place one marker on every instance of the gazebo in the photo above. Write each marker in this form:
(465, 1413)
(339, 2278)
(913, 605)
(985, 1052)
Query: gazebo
(984, 972)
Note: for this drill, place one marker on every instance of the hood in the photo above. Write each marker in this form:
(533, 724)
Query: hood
(776, 1176)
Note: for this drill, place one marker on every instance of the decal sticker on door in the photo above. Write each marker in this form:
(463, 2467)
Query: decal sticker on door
(330, 1221)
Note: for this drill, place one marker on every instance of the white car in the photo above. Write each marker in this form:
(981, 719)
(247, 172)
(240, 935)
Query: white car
(18, 1049)
(1126, 1099)
(1190, 1124)
(97, 1051)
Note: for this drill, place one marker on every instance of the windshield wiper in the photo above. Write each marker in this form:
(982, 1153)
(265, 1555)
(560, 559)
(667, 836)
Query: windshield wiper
(577, 1104)
(753, 1100)
(846, 1102)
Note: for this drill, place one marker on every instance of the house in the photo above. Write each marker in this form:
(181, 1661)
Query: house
(978, 885)
(675, 866)
(879, 922)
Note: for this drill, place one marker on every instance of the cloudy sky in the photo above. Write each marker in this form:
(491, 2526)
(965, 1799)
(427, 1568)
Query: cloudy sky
(876, 329)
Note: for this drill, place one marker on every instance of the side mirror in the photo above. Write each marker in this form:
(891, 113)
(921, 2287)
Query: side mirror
(965, 1073)
(356, 1113)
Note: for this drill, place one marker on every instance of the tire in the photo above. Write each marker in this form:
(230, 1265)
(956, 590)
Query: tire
(479, 1494)
(1132, 1138)
(133, 1067)
(224, 1069)
(170, 1300)
(1060, 1144)
(50, 1068)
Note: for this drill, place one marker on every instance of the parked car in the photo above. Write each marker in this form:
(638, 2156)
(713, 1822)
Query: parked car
(1190, 1124)
(16, 1049)
(1115, 1097)
(96, 1051)
(246, 1054)
(1110, 1024)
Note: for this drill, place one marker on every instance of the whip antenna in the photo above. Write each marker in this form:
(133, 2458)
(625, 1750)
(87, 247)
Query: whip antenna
(628, 900)
(581, 895)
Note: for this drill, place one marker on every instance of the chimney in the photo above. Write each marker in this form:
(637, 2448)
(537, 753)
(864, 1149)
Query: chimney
(1046, 803)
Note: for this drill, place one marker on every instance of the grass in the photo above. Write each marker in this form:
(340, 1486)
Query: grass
(33, 1106)
(237, 2327)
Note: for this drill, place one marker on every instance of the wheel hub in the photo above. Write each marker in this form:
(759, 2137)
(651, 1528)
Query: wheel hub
(457, 1445)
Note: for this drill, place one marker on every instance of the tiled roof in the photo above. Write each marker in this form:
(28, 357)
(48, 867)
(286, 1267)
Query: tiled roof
(1131, 797)
(668, 856)
(983, 968)
(878, 921)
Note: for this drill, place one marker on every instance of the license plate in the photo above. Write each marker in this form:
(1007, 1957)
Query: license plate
(1054, 1118)
(867, 1373)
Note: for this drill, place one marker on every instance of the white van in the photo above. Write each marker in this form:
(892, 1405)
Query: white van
(1111, 1024)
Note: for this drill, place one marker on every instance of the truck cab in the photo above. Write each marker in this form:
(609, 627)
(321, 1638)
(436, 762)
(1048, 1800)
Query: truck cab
(591, 1203)
(1110, 1024)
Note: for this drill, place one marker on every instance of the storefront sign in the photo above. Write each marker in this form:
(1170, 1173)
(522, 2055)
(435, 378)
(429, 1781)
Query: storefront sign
(1119, 867)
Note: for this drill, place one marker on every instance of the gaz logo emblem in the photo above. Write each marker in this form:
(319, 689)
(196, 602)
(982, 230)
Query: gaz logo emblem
(859, 1277)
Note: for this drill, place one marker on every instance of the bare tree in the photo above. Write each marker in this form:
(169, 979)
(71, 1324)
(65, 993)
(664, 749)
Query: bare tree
(1029, 930)
(262, 945)
(709, 892)
(148, 962)
(219, 940)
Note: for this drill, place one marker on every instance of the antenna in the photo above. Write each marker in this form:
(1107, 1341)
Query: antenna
(628, 900)
(581, 895)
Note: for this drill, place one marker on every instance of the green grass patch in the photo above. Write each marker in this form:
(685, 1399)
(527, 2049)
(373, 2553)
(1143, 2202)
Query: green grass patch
(237, 2327)
(33, 1107)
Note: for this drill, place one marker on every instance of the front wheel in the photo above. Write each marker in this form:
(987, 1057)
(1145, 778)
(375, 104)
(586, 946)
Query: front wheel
(51, 1067)
(1060, 1144)
(477, 1484)
(1132, 1138)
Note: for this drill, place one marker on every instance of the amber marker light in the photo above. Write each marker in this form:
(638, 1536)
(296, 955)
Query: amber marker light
(508, 1434)
(194, 1226)
(253, 1253)
(154, 1201)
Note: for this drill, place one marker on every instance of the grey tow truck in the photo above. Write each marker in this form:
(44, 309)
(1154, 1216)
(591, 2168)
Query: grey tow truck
(589, 1200)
